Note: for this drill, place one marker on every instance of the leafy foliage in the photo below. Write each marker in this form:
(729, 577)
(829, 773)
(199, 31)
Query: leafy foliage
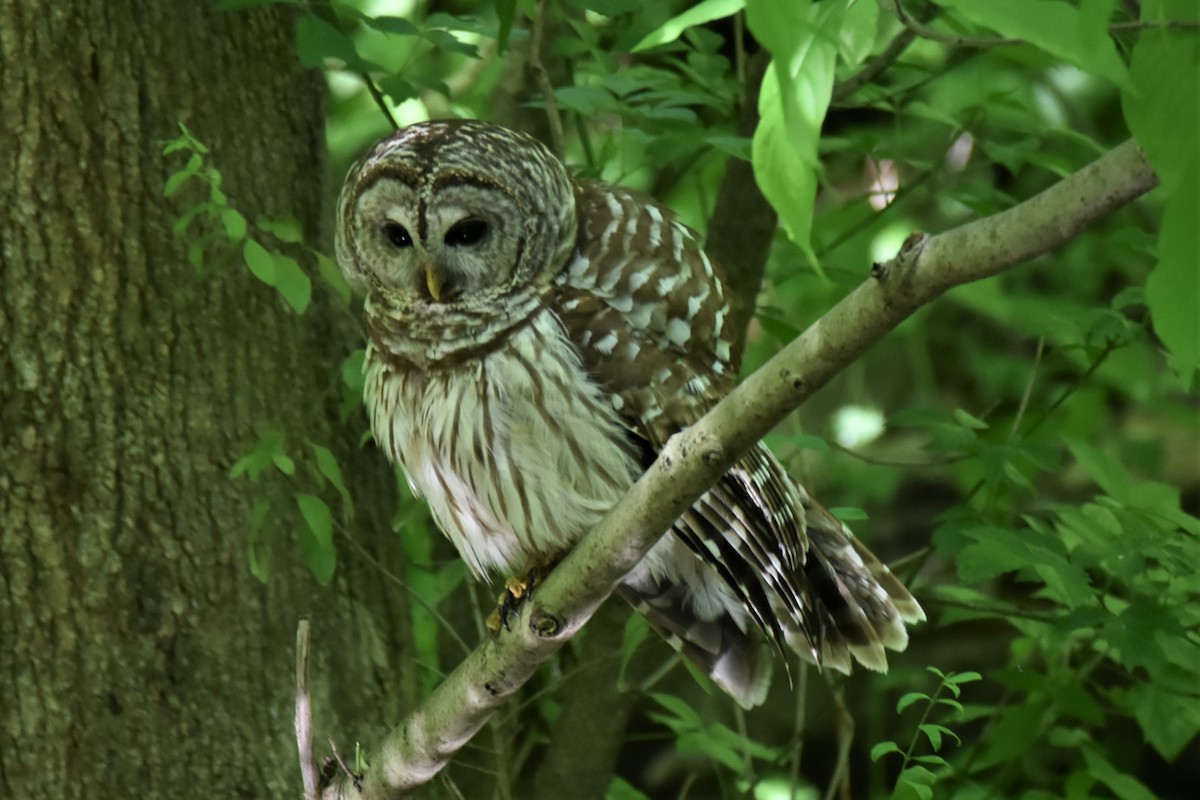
(1037, 452)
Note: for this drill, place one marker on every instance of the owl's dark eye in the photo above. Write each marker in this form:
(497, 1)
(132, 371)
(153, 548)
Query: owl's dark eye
(397, 234)
(466, 232)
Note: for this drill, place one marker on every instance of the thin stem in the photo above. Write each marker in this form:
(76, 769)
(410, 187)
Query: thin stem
(544, 82)
(380, 100)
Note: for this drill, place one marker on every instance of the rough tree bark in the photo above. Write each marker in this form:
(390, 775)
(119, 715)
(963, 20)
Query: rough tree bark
(138, 656)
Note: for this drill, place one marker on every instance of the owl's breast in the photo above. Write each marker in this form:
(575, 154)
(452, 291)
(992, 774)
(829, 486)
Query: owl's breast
(518, 452)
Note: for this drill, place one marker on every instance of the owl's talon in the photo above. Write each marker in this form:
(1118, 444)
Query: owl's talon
(516, 592)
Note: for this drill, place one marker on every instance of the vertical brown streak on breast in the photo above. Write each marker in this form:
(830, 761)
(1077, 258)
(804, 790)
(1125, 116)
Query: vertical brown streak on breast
(482, 424)
(518, 484)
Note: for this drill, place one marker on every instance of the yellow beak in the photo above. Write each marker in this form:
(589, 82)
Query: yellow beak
(433, 281)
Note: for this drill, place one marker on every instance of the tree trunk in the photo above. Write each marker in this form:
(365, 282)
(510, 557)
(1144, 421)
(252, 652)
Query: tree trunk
(138, 655)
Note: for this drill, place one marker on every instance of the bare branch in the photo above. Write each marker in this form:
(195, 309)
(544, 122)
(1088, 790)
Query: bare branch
(308, 767)
(926, 267)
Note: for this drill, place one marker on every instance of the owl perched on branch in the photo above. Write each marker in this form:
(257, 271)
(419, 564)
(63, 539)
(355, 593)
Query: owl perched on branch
(534, 342)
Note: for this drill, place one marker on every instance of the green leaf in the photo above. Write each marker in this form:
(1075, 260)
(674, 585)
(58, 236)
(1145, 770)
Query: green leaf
(1152, 109)
(317, 40)
(883, 748)
(260, 261)
(257, 553)
(316, 514)
(181, 224)
(587, 100)
(1173, 288)
(444, 40)
(284, 464)
(702, 12)
(795, 94)
(396, 26)
(700, 743)
(292, 283)
(998, 551)
(682, 711)
(235, 224)
(959, 678)
(1121, 784)
(178, 178)
(917, 780)
(328, 466)
(328, 269)
(506, 11)
(908, 699)
(621, 789)
(322, 561)
(969, 421)
(849, 513)
(934, 734)
(856, 39)
(259, 458)
(285, 229)
(1077, 35)
(1169, 720)
(637, 629)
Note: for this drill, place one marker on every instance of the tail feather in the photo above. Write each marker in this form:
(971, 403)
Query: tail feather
(736, 661)
(803, 578)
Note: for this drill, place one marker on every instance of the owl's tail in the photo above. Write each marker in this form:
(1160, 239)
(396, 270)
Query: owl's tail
(787, 566)
(854, 606)
(739, 663)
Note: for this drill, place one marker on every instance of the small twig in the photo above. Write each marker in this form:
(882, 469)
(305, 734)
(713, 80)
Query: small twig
(874, 67)
(308, 767)
(885, 462)
(901, 193)
(354, 776)
(845, 738)
(377, 96)
(925, 32)
(801, 724)
(544, 82)
(1000, 611)
(421, 601)
(1037, 362)
(1143, 25)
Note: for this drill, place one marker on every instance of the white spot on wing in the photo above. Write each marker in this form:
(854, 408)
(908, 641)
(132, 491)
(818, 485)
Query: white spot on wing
(638, 279)
(607, 344)
(678, 331)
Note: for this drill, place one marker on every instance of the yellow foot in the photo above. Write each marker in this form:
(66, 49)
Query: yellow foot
(516, 591)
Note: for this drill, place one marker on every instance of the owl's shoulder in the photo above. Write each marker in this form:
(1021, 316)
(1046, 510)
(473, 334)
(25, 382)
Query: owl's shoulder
(647, 310)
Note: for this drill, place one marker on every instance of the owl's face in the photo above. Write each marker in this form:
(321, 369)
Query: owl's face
(454, 213)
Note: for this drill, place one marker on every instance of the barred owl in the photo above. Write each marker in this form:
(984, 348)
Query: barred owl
(533, 342)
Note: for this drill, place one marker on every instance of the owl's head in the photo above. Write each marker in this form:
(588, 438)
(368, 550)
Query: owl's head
(455, 213)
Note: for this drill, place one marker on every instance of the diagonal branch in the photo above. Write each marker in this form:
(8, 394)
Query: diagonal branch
(926, 267)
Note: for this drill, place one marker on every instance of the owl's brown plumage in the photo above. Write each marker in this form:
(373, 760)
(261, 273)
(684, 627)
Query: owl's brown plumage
(533, 343)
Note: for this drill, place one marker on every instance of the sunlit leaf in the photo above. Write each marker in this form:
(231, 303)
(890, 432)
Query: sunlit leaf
(285, 229)
(177, 179)
(795, 94)
(1076, 34)
(235, 224)
(316, 515)
(260, 261)
(883, 748)
(328, 466)
(702, 12)
(292, 283)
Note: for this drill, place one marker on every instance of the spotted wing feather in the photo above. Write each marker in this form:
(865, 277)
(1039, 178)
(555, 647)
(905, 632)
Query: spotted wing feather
(648, 311)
